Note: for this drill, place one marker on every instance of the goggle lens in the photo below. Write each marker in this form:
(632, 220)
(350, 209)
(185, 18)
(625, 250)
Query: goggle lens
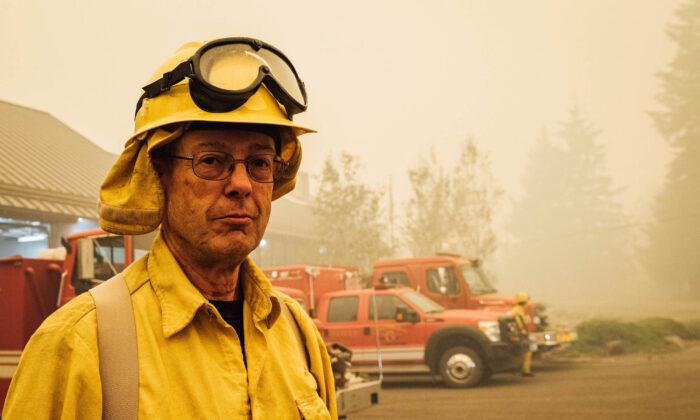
(283, 74)
(215, 61)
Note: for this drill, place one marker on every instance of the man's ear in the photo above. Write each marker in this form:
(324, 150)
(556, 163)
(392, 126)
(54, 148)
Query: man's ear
(161, 165)
(161, 161)
(164, 168)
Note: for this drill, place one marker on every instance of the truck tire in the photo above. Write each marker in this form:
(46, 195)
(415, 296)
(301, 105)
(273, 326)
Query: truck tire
(461, 367)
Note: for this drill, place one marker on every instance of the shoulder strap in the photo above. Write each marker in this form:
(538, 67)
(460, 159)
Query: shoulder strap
(295, 327)
(116, 341)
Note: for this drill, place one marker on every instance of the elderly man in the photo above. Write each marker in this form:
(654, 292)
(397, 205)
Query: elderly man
(214, 144)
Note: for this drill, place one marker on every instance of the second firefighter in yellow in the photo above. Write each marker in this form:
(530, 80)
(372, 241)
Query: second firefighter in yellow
(518, 310)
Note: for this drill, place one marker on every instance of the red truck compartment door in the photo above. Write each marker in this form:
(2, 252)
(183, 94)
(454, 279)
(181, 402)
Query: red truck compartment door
(341, 323)
(399, 342)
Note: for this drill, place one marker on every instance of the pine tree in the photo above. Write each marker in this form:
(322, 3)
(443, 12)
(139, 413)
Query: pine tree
(568, 223)
(671, 256)
(538, 208)
(349, 216)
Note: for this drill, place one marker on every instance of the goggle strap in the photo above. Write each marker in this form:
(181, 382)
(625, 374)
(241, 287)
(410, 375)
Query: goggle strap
(169, 78)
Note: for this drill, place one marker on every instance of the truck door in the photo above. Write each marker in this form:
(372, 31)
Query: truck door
(341, 324)
(443, 287)
(400, 341)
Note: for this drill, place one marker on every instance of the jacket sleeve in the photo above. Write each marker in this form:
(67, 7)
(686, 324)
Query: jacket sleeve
(319, 361)
(58, 375)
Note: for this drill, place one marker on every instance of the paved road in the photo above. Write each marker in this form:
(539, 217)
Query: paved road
(629, 387)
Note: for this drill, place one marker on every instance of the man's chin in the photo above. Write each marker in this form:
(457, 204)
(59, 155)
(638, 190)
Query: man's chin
(232, 248)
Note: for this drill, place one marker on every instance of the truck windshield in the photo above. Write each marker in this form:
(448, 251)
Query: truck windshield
(109, 256)
(476, 280)
(425, 304)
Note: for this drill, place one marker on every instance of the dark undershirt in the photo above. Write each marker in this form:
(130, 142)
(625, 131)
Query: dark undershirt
(232, 313)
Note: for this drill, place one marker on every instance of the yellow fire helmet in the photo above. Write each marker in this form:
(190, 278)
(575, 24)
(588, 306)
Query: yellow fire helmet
(229, 80)
(521, 297)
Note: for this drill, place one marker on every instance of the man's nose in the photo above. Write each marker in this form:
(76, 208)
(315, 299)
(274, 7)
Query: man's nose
(239, 183)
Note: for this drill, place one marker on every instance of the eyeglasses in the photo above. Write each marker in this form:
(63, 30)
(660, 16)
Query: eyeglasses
(217, 166)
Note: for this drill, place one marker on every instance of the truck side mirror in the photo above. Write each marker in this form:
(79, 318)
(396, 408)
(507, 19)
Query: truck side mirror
(406, 315)
(66, 245)
(85, 259)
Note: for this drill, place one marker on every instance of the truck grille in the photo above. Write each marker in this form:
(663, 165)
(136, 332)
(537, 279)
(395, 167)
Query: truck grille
(540, 313)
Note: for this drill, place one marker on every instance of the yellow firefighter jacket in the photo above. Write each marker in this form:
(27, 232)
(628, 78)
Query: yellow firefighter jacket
(189, 359)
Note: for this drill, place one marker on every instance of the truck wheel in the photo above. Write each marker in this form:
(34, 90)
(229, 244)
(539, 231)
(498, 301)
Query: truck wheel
(461, 367)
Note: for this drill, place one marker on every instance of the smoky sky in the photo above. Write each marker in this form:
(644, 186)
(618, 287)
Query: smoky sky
(386, 80)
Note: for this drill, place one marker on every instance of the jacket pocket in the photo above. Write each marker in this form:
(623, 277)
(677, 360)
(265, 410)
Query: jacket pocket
(313, 408)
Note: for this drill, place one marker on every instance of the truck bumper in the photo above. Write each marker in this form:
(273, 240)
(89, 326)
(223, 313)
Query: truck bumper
(506, 357)
(547, 340)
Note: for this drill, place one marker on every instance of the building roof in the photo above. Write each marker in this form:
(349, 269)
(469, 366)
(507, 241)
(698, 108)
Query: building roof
(46, 167)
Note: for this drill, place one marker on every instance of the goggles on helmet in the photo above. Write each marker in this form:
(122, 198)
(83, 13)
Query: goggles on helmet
(214, 88)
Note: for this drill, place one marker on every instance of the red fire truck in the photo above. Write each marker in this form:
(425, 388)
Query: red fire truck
(405, 332)
(411, 333)
(456, 282)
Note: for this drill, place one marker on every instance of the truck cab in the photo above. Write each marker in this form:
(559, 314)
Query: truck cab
(32, 288)
(456, 282)
(404, 331)
(94, 256)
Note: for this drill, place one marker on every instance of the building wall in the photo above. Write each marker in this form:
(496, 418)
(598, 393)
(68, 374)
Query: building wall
(11, 246)
(290, 238)
(280, 250)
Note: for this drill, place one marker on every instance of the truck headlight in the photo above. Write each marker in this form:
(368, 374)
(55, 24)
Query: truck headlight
(491, 329)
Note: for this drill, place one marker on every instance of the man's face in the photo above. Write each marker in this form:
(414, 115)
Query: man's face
(216, 220)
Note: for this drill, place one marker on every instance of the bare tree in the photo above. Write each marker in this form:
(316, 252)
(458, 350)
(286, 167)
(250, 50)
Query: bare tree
(475, 198)
(428, 211)
(453, 210)
(350, 219)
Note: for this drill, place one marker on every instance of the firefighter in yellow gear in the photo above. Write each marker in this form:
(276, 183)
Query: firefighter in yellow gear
(518, 310)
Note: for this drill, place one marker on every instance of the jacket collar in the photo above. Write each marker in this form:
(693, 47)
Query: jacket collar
(180, 300)
(259, 294)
